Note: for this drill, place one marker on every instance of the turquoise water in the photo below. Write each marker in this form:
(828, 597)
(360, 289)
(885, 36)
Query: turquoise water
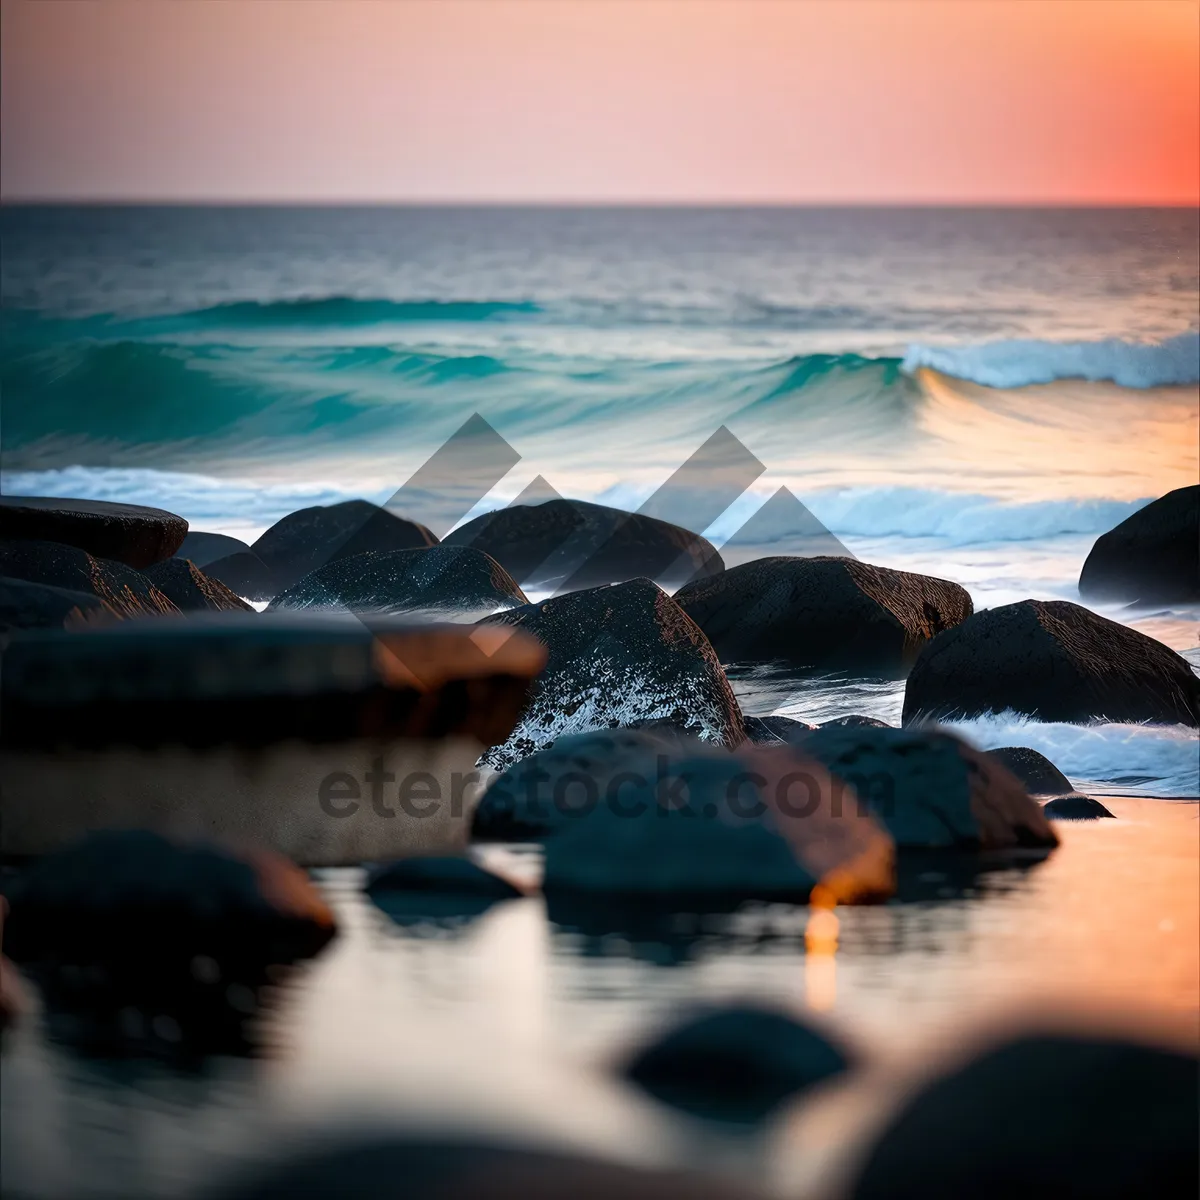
(975, 394)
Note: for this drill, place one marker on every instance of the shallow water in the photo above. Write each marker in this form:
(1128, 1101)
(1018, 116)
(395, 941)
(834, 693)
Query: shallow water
(510, 1022)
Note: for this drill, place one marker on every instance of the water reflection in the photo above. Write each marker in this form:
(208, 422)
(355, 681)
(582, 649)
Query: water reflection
(512, 1021)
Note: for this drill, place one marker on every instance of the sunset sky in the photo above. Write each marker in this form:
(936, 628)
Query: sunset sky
(602, 100)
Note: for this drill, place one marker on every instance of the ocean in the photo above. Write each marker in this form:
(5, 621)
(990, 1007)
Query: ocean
(975, 394)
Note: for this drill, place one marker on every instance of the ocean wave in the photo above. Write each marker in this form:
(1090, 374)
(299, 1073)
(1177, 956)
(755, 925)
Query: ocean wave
(218, 505)
(1146, 760)
(352, 310)
(961, 519)
(1010, 364)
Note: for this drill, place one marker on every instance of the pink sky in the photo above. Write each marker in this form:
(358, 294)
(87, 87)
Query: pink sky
(602, 100)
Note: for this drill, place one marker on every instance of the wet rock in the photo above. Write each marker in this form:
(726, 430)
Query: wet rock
(182, 934)
(573, 544)
(1077, 807)
(1055, 661)
(856, 721)
(1039, 775)
(1046, 1116)
(1043, 780)
(280, 730)
(311, 537)
(203, 548)
(25, 605)
(701, 823)
(454, 1168)
(124, 533)
(1152, 557)
(441, 582)
(767, 731)
(122, 590)
(823, 613)
(537, 796)
(618, 655)
(735, 1064)
(931, 789)
(444, 874)
(441, 890)
(244, 574)
(191, 590)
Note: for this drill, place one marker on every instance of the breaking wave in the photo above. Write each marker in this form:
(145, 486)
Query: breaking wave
(1175, 361)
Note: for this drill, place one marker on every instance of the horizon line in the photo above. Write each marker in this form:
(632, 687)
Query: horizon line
(34, 201)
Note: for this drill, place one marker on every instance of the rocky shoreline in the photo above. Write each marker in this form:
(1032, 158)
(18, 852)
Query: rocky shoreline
(170, 755)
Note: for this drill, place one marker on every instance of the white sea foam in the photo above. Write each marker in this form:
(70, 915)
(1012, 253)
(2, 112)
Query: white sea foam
(958, 518)
(1148, 760)
(1008, 364)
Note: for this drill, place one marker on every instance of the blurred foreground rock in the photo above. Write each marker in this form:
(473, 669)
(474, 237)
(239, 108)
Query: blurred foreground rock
(1046, 1116)
(931, 789)
(318, 737)
(136, 939)
(734, 1064)
(698, 823)
(455, 1168)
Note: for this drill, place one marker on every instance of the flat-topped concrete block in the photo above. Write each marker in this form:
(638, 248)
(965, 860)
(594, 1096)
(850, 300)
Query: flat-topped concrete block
(320, 738)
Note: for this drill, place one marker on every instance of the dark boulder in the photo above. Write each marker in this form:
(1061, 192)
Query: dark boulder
(124, 533)
(1046, 1116)
(441, 582)
(458, 875)
(734, 1064)
(931, 789)
(1152, 557)
(1055, 661)
(1075, 808)
(203, 547)
(440, 890)
(172, 929)
(1039, 775)
(698, 823)
(537, 796)
(1043, 780)
(455, 1168)
(244, 574)
(768, 731)
(126, 592)
(311, 537)
(191, 590)
(856, 721)
(823, 613)
(618, 655)
(25, 605)
(573, 544)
